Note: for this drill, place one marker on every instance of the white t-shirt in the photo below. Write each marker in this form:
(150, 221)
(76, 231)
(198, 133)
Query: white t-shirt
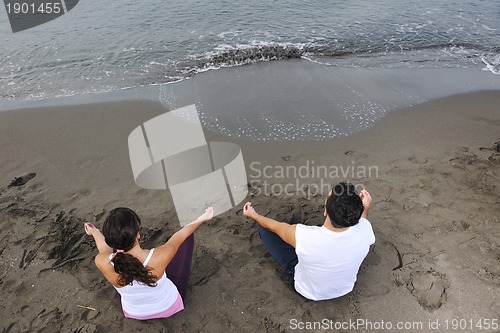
(329, 261)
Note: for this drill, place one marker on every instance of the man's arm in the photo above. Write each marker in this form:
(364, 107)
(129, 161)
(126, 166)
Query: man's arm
(284, 230)
(367, 201)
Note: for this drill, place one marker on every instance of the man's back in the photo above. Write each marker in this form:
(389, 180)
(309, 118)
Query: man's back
(329, 261)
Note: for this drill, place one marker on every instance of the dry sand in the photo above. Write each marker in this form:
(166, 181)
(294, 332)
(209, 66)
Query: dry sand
(435, 215)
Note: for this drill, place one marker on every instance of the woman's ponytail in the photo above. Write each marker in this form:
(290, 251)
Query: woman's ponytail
(130, 268)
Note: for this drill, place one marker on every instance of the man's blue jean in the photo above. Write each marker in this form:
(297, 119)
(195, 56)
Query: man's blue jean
(283, 253)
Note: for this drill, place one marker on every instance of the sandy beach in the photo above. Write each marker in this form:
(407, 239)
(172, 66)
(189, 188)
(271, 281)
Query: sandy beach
(435, 180)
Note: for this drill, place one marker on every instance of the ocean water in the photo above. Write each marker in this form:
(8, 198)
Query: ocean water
(103, 46)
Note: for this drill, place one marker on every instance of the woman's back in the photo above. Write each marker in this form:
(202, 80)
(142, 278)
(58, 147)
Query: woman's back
(140, 300)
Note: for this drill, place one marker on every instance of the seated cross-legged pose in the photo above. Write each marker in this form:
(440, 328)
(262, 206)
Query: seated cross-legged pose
(322, 262)
(151, 283)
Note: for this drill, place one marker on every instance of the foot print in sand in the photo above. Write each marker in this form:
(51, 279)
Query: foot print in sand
(204, 267)
(87, 328)
(72, 246)
(429, 288)
(355, 154)
(151, 237)
(21, 180)
(418, 159)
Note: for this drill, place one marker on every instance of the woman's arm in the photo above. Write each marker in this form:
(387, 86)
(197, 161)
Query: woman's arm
(169, 249)
(102, 247)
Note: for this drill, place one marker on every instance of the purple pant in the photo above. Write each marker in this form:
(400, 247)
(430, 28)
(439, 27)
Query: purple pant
(179, 268)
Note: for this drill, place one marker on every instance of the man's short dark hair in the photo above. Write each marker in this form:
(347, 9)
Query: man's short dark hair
(344, 206)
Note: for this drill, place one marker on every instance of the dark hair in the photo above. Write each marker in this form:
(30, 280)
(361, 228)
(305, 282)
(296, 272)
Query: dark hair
(120, 232)
(344, 206)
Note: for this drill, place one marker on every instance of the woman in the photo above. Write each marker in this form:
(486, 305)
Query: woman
(151, 283)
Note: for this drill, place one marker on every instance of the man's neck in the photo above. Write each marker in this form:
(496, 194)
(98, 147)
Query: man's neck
(329, 226)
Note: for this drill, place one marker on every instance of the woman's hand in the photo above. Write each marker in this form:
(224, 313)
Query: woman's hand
(100, 242)
(209, 213)
(90, 229)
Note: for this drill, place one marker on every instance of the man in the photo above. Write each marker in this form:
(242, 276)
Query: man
(322, 262)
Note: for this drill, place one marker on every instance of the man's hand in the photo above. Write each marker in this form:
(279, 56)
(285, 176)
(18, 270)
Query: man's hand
(366, 198)
(249, 211)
